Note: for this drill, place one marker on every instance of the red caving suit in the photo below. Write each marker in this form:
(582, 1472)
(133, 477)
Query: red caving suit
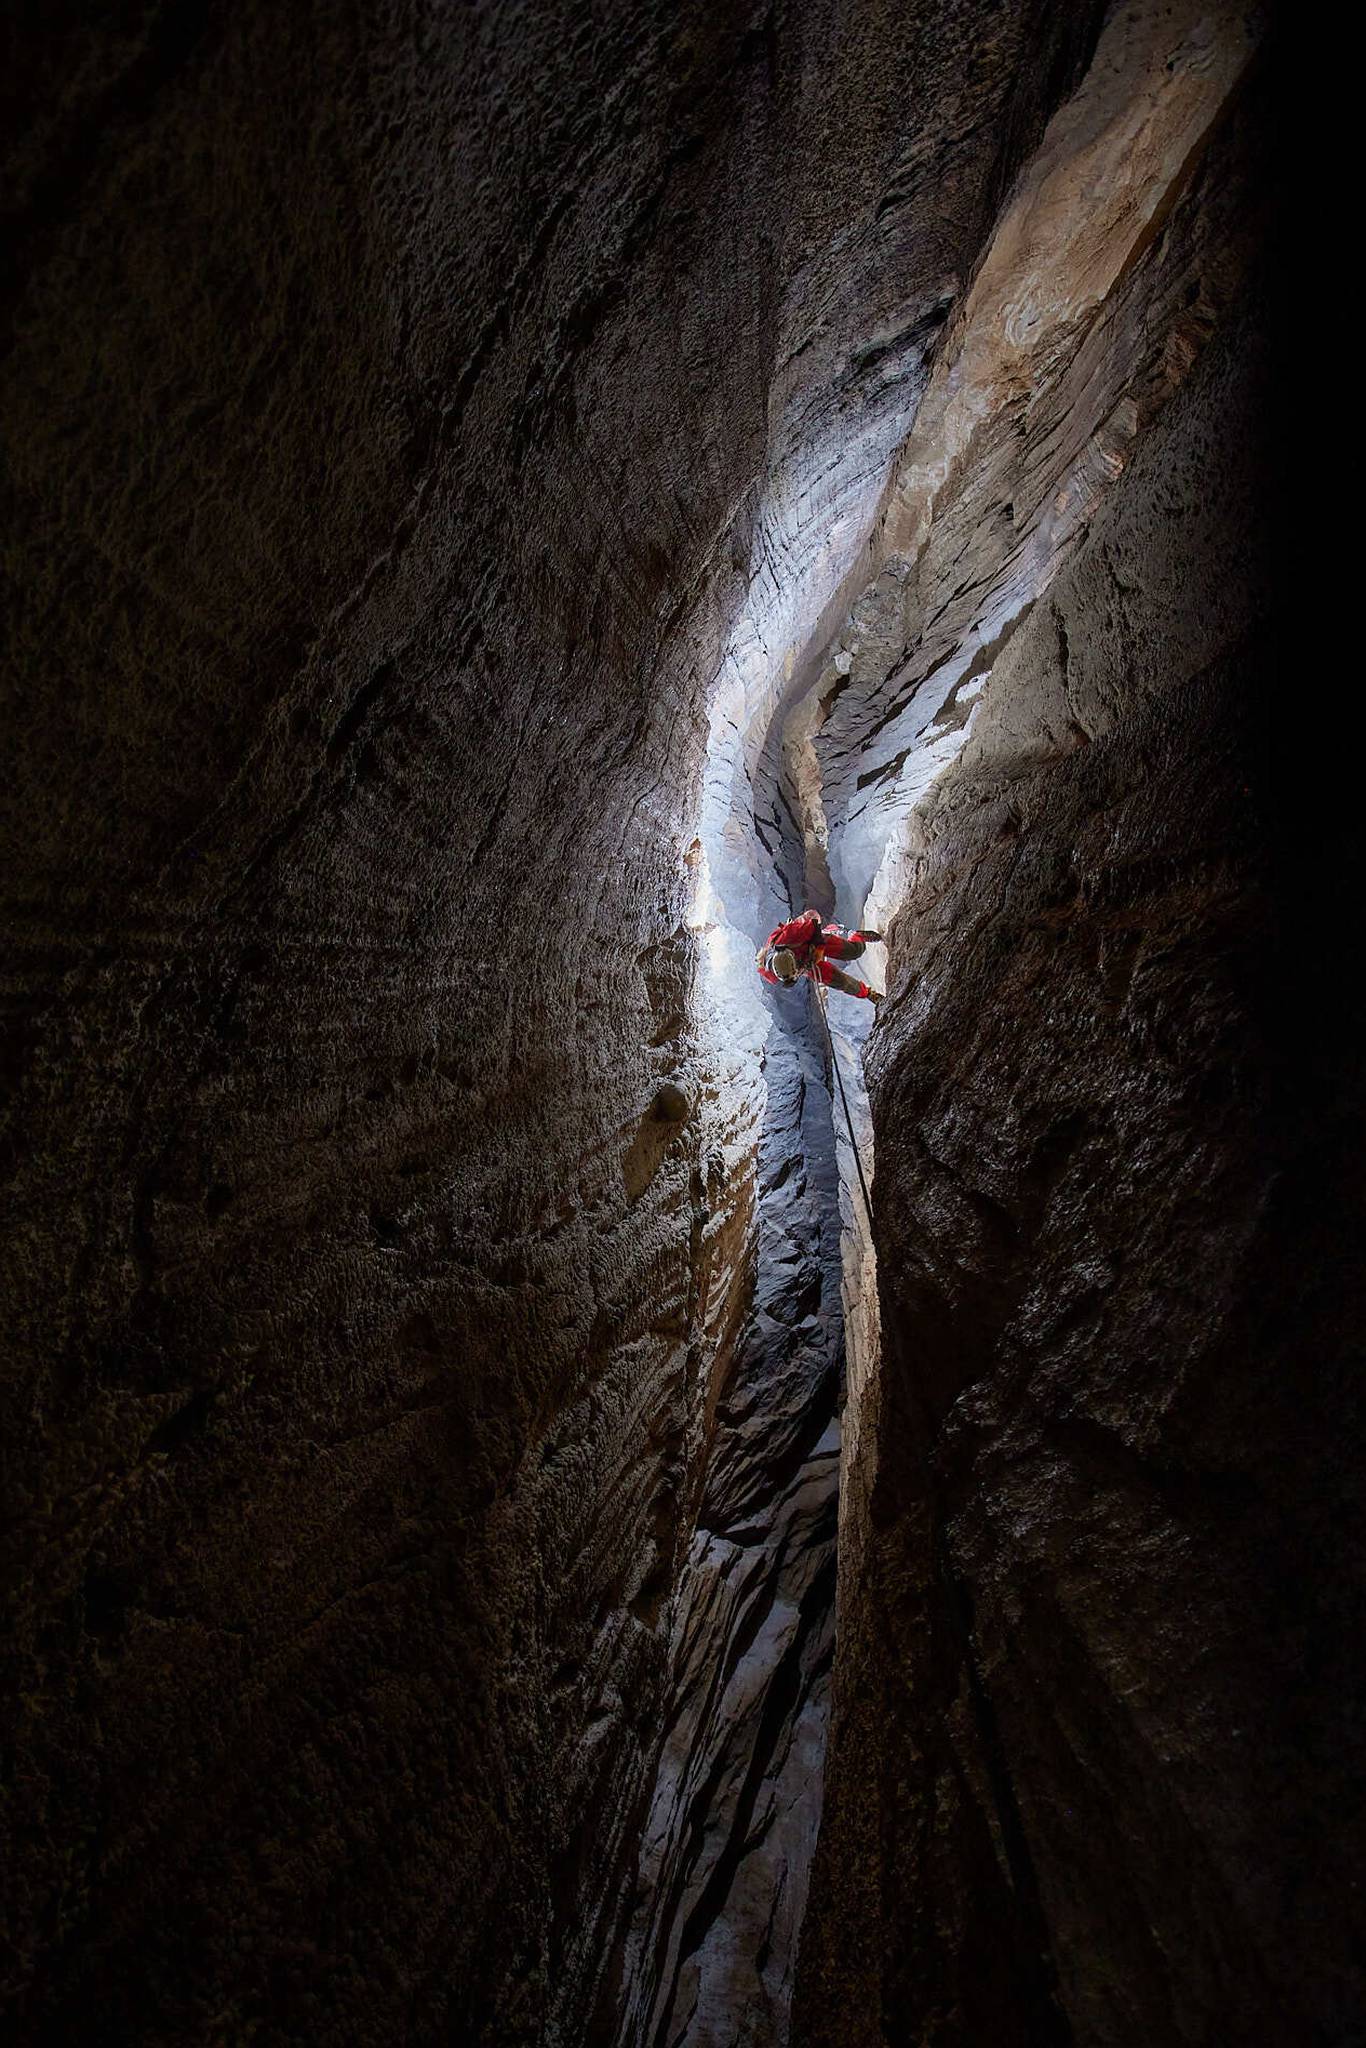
(817, 946)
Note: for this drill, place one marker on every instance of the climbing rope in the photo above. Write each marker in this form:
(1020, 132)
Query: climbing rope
(834, 1061)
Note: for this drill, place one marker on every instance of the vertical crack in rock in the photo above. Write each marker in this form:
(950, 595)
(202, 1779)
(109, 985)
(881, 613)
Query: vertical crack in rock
(709, 1951)
(506, 503)
(708, 1948)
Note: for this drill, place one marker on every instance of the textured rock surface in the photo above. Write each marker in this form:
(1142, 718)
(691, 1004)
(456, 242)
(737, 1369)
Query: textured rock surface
(441, 447)
(408, 421)
(1096, 1757)
(708, 1950)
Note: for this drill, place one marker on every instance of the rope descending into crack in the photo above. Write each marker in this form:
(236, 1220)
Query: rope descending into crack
(858, 1158)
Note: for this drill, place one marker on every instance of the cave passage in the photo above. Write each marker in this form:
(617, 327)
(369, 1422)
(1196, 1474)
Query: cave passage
(874, 634)
(735, 1805)
(503, 504)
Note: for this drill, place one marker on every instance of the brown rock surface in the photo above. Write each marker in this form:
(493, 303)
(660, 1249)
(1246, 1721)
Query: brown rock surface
(1096, 1759)
(441, 445)
(406, 418)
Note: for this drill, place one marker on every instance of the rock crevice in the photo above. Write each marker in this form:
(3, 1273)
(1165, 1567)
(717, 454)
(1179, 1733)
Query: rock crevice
(501, 505)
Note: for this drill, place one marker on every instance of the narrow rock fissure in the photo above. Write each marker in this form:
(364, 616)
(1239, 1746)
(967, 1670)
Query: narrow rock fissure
(508, 504)
(710, 1958)
(821, 763)
(790, 1679)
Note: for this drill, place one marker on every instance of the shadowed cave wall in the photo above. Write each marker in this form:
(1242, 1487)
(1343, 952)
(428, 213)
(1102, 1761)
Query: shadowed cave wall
(443, 445)
(1093, 1586)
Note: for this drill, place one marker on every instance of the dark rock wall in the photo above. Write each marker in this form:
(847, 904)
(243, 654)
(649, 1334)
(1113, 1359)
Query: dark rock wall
(357, 1296)
(438, 447)
(388, 399)
(1095, 1766)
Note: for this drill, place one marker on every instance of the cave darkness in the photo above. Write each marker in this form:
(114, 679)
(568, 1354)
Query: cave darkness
(504, 504)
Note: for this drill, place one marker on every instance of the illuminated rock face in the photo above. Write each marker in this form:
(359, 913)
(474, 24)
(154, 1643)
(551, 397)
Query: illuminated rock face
(1088, 1683)
(441, 454)
(415, 430)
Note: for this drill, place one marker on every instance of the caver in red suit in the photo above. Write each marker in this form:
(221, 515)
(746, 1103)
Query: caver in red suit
(806, 946)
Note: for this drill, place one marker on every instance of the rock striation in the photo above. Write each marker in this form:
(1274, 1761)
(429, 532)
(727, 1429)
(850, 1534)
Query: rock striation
(502, 504)
(417, 427)
(1092, 1674)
